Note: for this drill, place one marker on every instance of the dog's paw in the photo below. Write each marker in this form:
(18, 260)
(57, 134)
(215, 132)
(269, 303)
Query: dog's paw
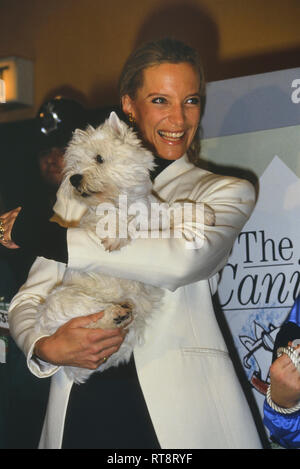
(116, 315)
(122, 314)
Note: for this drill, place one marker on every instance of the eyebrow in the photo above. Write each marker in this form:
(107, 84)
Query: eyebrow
(167, 95)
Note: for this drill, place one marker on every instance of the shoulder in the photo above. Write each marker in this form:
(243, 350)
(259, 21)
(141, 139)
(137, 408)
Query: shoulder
(184, 181)
(209, 183)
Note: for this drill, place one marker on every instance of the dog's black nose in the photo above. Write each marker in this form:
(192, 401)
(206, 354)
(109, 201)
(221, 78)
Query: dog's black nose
(75, 180)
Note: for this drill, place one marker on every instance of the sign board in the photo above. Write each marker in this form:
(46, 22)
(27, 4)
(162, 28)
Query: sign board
(253, 124)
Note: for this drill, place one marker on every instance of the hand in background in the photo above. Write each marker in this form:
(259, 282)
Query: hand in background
(285, 382)
(7, 222)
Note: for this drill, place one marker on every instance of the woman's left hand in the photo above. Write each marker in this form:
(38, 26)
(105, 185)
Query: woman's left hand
(7, 221)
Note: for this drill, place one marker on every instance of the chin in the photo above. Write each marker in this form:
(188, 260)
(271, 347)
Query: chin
(170, 155)
(171, 152)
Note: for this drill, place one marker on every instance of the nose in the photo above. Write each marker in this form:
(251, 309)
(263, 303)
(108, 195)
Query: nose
(75, 180)
(177, 117)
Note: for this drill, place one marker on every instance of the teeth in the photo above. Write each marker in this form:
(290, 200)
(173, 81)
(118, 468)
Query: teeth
(171, 134)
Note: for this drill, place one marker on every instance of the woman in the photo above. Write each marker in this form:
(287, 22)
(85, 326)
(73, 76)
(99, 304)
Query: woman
(180, 388)
(282, 406)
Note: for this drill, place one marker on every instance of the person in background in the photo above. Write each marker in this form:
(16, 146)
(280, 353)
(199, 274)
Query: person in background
(179, 389)
(7, 289)
(7, 278)
(55, 122)
(23, 397)
(8, 284)
(282, 404)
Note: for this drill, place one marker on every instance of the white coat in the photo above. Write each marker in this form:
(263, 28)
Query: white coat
(187, 378)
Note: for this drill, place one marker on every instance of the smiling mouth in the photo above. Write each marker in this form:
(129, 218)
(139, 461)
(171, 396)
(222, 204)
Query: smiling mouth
(171, 136)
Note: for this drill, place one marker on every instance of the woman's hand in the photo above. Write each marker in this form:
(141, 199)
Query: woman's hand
(285, 382)
(73, 344)
(7, 221)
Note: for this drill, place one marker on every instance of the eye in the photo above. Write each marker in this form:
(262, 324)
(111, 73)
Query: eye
(194, 100)
(99, 159)
(159, 100)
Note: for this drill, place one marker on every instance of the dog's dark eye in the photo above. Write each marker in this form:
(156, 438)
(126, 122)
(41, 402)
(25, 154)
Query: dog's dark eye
(99, 159)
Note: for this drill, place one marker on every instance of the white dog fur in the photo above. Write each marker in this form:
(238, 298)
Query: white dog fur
(100, 165)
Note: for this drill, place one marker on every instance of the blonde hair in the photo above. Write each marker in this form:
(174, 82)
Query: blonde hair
(155, 53)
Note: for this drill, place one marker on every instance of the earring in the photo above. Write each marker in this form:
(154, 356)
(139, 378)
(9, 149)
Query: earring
(131, 119)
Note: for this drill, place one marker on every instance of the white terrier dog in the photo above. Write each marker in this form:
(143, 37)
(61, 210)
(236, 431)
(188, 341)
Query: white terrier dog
(102, 165)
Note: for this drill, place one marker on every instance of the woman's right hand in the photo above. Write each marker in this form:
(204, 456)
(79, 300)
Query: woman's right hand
(73, 344)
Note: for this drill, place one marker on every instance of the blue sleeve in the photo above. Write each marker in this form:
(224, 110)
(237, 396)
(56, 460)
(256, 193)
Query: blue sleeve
(284, 429)
(294, 315)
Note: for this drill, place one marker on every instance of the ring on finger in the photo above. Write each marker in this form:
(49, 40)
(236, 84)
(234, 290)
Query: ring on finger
(104, 359)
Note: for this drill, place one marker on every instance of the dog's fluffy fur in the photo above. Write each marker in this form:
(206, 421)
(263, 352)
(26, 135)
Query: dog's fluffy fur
(107, 162)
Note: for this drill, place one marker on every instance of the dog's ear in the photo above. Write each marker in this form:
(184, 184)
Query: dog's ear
(117, 125)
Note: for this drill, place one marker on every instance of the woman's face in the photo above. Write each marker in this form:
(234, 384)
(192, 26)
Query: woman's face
(167, 108)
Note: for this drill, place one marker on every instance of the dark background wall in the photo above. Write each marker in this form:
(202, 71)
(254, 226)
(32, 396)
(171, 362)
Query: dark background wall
(82, 44)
